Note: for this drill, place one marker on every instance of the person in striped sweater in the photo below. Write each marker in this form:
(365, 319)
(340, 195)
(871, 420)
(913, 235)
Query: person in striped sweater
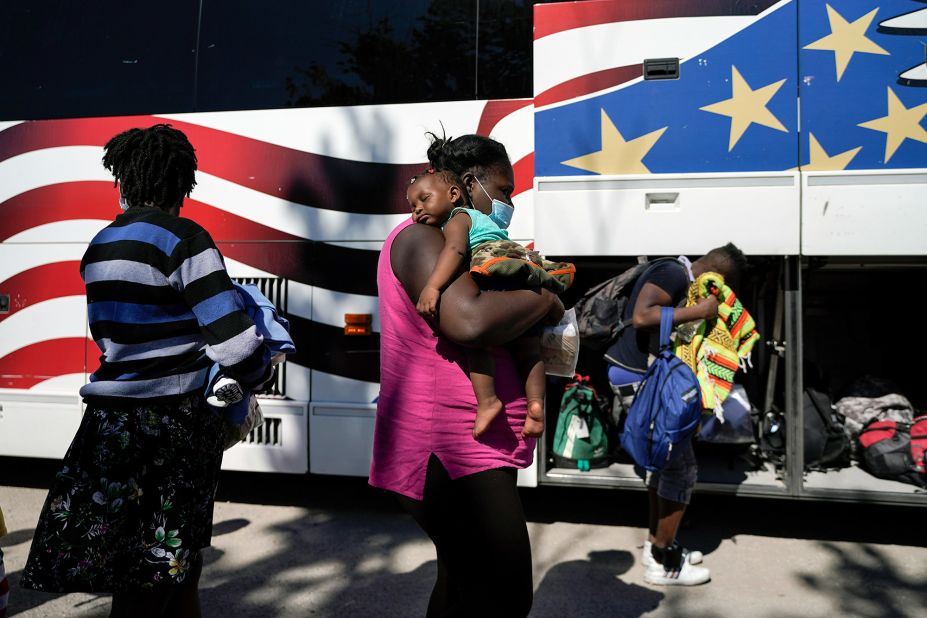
(132, 506)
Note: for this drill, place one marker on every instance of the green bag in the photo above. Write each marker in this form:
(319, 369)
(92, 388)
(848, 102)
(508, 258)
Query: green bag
(581, 440)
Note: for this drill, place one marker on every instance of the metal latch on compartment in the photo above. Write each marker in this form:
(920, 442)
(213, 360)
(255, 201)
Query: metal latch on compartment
(661, 68)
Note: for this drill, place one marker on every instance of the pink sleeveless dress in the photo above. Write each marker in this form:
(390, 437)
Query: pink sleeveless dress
(426, 402)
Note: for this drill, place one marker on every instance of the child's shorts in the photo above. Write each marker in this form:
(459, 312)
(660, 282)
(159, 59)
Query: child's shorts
(509, 259)
(676, 481)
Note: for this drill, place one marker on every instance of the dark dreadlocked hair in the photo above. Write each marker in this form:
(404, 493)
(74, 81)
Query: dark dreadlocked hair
(153, 166)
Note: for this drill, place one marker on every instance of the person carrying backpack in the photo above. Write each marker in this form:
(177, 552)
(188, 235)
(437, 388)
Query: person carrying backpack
(665, 283)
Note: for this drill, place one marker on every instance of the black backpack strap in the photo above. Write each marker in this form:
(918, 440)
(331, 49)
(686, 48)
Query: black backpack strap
(826, 415)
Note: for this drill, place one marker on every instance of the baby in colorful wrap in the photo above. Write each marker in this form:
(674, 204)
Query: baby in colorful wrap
(438, 199)
(715, 349)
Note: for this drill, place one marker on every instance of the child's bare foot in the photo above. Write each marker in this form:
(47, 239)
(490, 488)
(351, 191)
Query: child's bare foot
(485, 412)
(534, 422)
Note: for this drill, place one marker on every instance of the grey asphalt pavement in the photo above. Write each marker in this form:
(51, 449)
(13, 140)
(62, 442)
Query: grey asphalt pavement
(315, 546)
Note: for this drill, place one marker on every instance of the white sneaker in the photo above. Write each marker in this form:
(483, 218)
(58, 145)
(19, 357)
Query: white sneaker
(225, 392)
(647, 559)
(687, 575)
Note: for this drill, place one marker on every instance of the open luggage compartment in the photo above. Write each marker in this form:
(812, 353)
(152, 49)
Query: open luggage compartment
(824, 322)
(861, 317)
(723, 468)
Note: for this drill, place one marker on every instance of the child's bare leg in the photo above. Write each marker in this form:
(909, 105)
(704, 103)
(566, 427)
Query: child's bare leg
(482, 375)
(527, 352)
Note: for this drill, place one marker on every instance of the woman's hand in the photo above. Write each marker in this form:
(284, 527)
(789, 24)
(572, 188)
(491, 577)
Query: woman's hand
(555, 313)
(427, 305)
(468, 316)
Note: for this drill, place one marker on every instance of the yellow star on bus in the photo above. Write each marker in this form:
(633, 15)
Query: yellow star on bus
(847, 38)
(746, 106)
(900, 124)
(617, 156)
(820, 161)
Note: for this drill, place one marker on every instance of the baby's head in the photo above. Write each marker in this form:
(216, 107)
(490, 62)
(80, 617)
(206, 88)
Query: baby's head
(433, 194)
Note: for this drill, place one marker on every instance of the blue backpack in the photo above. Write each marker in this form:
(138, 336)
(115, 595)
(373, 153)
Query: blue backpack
(667, 408)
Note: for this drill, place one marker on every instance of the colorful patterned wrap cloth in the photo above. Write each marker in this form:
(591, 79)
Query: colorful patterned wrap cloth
(715, 349)
(509, 259)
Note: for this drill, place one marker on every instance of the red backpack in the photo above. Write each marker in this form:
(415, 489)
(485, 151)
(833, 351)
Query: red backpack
(896, 451)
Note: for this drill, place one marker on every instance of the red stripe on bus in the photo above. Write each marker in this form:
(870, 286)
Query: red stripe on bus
(224, 226)
(553, 18)
(29, 365)
(306, 178)
(42, 283)
(60, 202)
(588, 84)
(99, 200)
(524, 174)
(494, 111)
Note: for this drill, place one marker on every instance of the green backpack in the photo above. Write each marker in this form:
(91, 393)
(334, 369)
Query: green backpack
(581, 440)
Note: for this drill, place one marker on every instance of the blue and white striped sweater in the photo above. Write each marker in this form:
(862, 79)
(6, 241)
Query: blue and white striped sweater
(162, 309)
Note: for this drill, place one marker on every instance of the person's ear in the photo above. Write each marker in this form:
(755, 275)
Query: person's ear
(455, 194)
(468, 180)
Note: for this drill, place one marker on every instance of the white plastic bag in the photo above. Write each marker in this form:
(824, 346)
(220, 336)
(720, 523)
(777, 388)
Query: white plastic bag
(560, 346)
(236, 433)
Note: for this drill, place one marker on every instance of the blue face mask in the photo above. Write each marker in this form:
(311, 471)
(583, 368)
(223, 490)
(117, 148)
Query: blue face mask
(123, 204)
(501, 213)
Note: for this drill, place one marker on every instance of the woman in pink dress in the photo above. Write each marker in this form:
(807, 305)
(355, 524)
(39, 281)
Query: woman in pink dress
(461, 490)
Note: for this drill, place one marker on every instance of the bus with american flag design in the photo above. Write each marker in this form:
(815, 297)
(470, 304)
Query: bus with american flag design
(794, 128)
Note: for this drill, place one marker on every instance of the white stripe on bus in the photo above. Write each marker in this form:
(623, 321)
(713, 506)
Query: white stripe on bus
(376, 133)
(57, 318)
(617, 44)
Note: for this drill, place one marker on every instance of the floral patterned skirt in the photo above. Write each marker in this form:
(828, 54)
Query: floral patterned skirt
(133, 502)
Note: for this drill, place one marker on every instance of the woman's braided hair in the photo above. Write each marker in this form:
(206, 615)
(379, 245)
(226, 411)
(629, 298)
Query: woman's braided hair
(468, 153)
(154, 166)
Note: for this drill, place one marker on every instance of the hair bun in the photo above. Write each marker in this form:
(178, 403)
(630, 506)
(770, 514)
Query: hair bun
(437, 151)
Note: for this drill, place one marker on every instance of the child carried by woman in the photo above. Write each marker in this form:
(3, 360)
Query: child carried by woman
(438, 199)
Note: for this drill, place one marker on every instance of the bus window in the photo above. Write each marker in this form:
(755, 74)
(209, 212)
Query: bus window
(335, 53)
(71, 59)
(505, 39)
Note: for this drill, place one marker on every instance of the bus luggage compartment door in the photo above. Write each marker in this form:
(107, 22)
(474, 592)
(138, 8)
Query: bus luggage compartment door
(668, 214)
(869, 212)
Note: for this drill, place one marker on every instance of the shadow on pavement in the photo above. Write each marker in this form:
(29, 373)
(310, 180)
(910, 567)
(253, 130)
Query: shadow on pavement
(593, 588)
(866, 583)
(350, 551)
(228, 526)
(18, 536)
(342, 560)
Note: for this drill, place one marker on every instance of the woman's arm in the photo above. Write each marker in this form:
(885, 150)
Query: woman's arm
(467, 315)
(231, 337)
(450, 260)
(652, 298)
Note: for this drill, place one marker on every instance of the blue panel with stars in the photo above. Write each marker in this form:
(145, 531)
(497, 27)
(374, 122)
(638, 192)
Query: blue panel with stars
(751, 123)
(859, 107)
(858, 66)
